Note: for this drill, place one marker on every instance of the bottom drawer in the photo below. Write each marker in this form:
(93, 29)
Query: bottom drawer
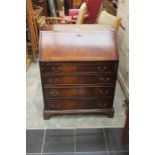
(72, 104)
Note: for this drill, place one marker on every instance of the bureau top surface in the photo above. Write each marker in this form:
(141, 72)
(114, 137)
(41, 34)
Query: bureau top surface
(78, 45)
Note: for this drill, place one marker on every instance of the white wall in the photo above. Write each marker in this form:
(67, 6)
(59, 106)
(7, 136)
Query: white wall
(123, 45)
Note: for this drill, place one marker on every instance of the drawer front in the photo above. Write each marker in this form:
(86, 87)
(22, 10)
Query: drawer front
(77, 104)
(78, 79)
(78, 92)
(51, 68)
(99, 68)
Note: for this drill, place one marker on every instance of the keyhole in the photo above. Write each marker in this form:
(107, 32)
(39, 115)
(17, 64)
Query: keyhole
(79, 35)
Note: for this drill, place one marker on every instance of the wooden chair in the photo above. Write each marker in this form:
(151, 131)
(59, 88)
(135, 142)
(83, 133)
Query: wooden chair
(63, 20)
(83, 10)
(92, 13)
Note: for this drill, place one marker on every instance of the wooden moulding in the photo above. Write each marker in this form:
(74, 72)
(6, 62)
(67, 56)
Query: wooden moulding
(107, 112)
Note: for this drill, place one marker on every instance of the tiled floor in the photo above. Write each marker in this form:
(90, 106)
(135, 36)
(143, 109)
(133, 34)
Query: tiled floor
(98, 141)
(34, 109)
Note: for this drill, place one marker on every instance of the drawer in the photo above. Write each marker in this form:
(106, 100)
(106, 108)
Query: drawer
(99, 68)
(52, 68)
(77, 104)
(78, 92)
(77, 79)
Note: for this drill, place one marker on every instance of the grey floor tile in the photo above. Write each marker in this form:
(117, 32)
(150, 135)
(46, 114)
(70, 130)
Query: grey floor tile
(118, 153)
(93, 153)
(34, 140)
(59, 154)
(32, 154)
(90, 140)
(59, 141)
(113, 138)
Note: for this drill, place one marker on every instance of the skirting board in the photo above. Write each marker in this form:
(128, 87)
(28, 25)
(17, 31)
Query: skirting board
(123, 85)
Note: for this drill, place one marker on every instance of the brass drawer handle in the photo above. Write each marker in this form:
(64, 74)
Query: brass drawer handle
(55, 106)
(104, 79)
(105, 92)
(102, 69)
(107, 79)
(52, 80)
(102, 105)
(115, 66)
(56, 69)
(54, 93)
(42, 68)
(41, 64)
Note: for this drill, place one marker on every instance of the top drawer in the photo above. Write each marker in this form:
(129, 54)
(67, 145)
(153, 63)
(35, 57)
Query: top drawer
(54, 68)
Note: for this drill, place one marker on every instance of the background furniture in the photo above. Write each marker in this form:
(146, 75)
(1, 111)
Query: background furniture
(32, 32)
(92, 13)
(44, 4)
(59, 4)
(93, 10)
(68, 4)
(53, 7)
(78, 69)
(109, 20)
(82, 12)
(75, 12)
(63, 20)
(110, 6)
(76, 3)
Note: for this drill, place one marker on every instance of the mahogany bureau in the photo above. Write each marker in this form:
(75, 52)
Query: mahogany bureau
(78, 69)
